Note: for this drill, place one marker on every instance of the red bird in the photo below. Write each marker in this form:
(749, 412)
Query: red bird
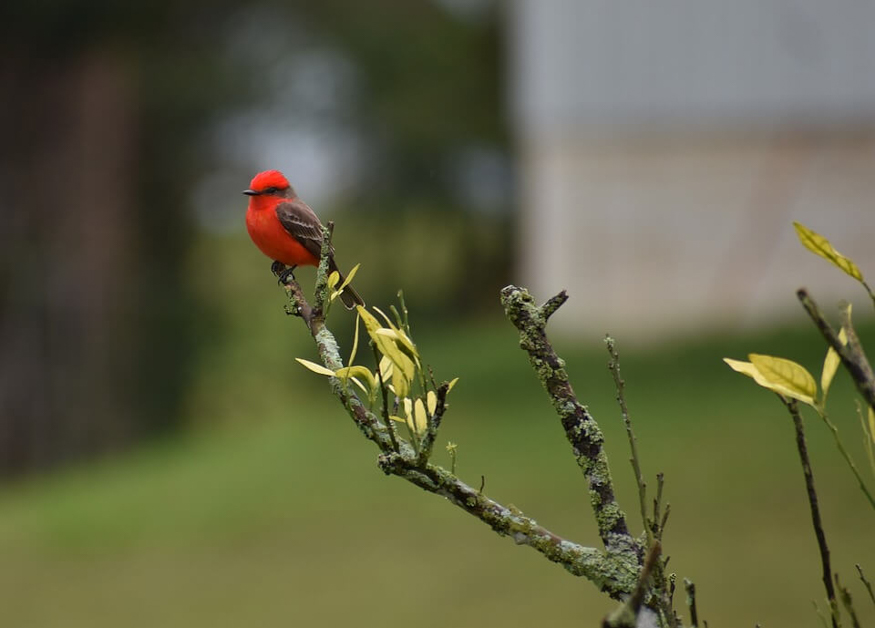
(286, 229)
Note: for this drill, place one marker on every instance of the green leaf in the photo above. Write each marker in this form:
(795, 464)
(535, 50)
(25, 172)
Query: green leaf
(786, 377)
(819, 245)
(452, 383)
(316, 368)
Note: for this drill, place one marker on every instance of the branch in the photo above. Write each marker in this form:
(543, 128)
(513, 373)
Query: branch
(580, 427)
(801, 445)
(610, 570)
(434, 423)
(851, 354)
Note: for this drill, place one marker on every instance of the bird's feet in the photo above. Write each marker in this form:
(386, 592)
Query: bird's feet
(279, 269)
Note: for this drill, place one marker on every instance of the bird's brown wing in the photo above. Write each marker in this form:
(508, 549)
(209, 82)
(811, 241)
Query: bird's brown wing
(302, 224)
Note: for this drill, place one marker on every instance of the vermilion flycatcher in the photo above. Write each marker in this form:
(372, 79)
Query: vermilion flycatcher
(286, 229)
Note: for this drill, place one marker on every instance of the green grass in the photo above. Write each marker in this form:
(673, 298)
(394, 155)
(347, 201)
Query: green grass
(271, 510)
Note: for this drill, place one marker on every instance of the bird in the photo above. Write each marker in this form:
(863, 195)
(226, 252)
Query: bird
(285, 229)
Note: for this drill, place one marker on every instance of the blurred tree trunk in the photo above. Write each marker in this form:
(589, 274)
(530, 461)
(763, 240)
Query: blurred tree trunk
(67, 248)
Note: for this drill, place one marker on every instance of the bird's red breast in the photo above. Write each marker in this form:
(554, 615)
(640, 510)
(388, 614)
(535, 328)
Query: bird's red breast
(271, 237)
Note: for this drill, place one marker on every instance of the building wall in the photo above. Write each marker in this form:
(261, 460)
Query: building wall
(665, 149)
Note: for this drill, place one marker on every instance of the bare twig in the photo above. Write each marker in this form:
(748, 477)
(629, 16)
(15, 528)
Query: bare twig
(580, 427)
(847, 602)
(847, 456)
(801, 445)
(823, 619)
(691, 602)
(434, 423)
(866, 583)
(620, 384)
(851, 354)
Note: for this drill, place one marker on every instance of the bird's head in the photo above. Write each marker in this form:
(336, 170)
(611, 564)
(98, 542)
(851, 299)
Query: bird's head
(270, 183)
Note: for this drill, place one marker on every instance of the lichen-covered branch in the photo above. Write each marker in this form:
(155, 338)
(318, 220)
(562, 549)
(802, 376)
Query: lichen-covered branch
(612, 572)
(580, 427)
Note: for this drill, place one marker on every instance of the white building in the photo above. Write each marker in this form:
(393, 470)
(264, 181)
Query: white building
(666, 147)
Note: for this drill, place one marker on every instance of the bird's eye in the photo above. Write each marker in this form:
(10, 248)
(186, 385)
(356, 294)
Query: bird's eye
(271, 190)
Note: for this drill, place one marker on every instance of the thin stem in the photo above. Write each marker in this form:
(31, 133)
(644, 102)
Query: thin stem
(385, 395)
(620, 385)
(434, 423)
(847, 602)
(847, 456)
(822, 546)
(866, 583)
(691, 602)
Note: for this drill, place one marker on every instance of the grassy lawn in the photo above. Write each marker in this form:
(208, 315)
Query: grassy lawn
(271, 510)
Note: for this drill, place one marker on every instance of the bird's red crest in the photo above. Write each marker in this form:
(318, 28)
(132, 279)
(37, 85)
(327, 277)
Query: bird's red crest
(269, 179)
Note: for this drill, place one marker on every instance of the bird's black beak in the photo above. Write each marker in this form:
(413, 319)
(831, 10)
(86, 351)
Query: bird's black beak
(251, 193)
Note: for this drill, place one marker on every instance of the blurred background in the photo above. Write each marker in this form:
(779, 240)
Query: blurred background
(163, 459)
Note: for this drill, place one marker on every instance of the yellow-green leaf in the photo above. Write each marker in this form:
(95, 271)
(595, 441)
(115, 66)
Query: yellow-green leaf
(397, 418)
(819, 245)
(386, 368)
(786, 377)
(370, 321)
(872, 424)
(358, 371)
(431, 399)
(407, 403)
(386, 318)
(349, 277)
(747, 368)
(333, 278)
(316, 368)
(355, 340)
(420, 418)
(870, 437)
(452, 383)
(831, 364)
(400, 382)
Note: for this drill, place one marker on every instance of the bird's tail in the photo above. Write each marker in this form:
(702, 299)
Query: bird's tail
(349, 296)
